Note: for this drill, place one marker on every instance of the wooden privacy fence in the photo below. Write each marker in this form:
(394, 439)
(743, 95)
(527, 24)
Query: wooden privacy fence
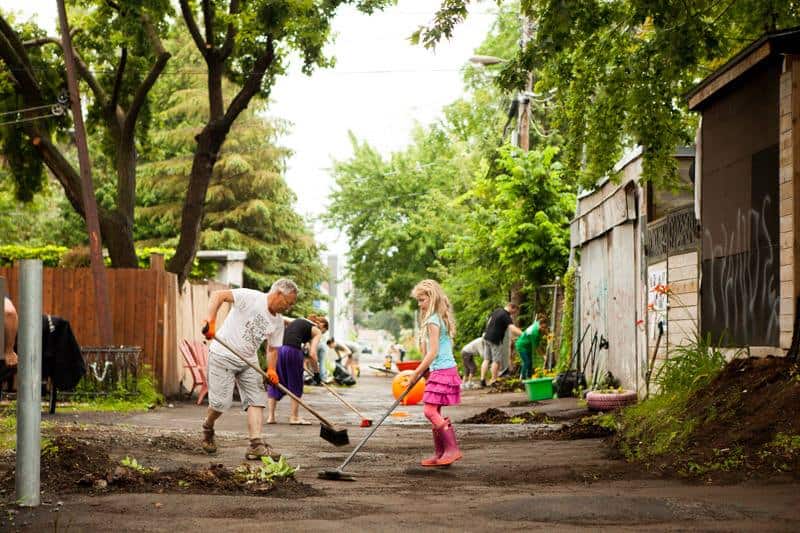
(146, 308)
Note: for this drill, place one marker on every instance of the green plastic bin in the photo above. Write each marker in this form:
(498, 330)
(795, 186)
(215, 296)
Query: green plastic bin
(539, 388)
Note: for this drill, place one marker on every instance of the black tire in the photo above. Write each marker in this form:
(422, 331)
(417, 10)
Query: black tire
(609, 401)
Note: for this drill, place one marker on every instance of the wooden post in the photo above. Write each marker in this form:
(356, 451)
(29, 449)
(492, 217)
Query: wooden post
(87, 187)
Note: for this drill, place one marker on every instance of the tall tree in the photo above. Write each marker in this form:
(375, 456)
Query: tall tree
(119, 57)
(248, 206)
(248, 42)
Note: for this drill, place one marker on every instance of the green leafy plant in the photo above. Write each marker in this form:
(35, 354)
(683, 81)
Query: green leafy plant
(133, 464)
(269, 470)
(691, 366)
(567, 320)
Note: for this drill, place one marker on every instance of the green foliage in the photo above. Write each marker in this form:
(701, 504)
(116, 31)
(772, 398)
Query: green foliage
(516, 233)
(690, 367)
(397, 213)
(617, 71)
(567, 320)
(46, 219)
(133, 464)
(268, 471)
(457, 205)
(656, 426)
(248, 205)
(130, 396)
(50, 255)
(663, 423)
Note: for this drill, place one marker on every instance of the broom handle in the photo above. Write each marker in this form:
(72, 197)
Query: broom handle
(376, 426)
(341, 398)
(279, 385)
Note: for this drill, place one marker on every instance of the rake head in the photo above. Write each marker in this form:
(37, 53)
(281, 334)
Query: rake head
(335, 475)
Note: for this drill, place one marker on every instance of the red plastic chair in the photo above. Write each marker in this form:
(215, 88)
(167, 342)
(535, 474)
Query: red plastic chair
(195, 354)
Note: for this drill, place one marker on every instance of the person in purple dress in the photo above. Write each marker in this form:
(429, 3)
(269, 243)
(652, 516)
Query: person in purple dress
(291, 362)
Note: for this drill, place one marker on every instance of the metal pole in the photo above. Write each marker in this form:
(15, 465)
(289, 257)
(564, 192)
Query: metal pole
(29, 386)
(3, 320)
(87, 188)
(333, 268)
(576, 316)
(550, 348)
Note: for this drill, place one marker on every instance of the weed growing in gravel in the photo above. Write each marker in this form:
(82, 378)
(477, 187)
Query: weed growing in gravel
(268, 471)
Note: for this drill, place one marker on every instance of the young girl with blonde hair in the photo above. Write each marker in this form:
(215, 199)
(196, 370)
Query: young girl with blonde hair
(443, 387)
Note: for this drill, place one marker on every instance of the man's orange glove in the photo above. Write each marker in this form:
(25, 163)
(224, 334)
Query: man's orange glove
(272, 376)
(210, 329)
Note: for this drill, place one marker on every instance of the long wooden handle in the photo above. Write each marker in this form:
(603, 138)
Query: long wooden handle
(376, 426)
(279, 385)
(340, 398)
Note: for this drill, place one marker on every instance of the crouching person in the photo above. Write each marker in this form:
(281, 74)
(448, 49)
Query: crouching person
(254, 317)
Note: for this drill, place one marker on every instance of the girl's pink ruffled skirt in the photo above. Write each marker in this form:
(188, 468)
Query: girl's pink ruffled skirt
(443, 387)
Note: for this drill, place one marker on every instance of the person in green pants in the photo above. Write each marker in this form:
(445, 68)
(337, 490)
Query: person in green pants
(526, 346)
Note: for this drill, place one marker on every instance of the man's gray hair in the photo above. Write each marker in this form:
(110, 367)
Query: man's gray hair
(284, 286)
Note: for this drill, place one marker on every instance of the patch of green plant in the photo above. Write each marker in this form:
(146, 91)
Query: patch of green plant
(516, 420)
(132, 464)
(691, 367)
(782, 452)
(725, 460)
(8, 430)
(49, 447)
(130, 395)
(608, 421)
(655, 426)
(567, 327)
(50, 254)
(268, 471)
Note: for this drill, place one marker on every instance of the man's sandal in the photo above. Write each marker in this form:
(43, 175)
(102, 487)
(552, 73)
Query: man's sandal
(208, 440)
(259, 449)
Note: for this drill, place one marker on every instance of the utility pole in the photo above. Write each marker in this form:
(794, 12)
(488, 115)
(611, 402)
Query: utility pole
(87, 188)
(523, 119)
(333, 276)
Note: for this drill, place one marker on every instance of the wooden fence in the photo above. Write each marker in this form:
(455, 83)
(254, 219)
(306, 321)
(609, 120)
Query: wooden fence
(147, 310)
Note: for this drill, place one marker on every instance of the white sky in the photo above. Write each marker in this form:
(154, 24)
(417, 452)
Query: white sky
(381, 85)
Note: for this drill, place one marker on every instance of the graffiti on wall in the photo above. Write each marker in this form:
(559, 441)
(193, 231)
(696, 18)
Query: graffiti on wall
(656, 301)
(740, 287)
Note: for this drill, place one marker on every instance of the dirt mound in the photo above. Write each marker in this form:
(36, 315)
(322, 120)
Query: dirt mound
(585, 428)
(75, 465)
(507, 385)
(496, 416)
(743, 424)
(748, 418)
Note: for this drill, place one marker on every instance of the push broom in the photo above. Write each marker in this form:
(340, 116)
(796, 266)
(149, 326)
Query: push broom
(365, 422)
(338, 474)
(327, 431)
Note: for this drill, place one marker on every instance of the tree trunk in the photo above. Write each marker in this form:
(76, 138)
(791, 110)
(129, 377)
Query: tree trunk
(209, 143)
(117, 235)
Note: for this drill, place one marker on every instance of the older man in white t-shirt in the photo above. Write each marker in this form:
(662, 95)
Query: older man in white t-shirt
(254, 317)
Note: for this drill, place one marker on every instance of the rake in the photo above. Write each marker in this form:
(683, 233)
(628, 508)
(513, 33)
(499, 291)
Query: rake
(338, 474)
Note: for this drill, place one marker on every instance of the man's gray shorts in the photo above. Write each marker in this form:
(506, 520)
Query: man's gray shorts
(492, 352)
(223, 373)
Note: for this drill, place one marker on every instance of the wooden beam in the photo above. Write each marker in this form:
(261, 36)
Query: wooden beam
(732, 73)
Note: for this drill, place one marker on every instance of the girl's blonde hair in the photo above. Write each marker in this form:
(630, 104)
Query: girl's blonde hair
(439, 304)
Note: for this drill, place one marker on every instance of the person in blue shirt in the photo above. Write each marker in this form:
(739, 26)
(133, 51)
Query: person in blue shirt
(443, 387)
